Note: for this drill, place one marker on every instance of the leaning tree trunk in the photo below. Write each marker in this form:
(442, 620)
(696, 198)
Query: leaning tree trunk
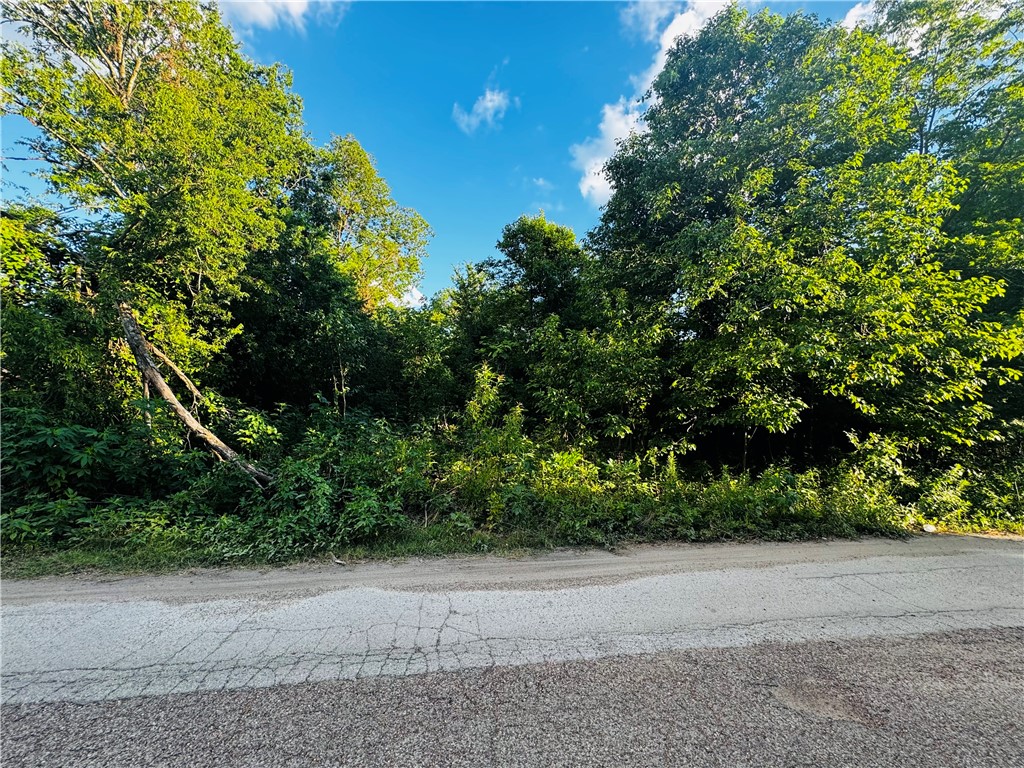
(152, 377)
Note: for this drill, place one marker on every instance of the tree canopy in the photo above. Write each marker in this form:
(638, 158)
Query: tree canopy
(793, 201)
(801, 312)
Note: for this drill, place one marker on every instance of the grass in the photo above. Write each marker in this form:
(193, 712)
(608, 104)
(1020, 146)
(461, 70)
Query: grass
(98, 557)
(124, 558)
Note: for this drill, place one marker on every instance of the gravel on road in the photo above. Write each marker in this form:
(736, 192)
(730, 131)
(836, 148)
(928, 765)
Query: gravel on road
(951, 700)
(123, 641)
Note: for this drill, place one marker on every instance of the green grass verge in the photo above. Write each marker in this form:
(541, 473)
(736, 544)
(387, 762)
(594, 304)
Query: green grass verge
(155, 556)
(162, 556)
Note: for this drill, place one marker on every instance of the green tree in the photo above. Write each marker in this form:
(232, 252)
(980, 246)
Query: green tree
(151, 119)
(965, 65)
(543, 262)
(297, 306)
(51, 358)
(375, 241)
(564, 341)
(348, 253)
(777, 205)
(535, 282)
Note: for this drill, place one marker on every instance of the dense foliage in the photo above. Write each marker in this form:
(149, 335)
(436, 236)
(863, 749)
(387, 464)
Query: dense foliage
(801, 314)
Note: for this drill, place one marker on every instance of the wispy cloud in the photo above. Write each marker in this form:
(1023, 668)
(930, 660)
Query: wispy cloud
(413, 298)
(488, 110)
(646, 18)
(686, 21)
(617, 122)
(547, 206)
(247, 15)
(657, 22)
(541, 183)
(861, 13)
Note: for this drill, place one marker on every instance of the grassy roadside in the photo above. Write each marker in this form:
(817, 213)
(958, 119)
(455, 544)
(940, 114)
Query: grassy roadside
(162, 557)
(155, 556)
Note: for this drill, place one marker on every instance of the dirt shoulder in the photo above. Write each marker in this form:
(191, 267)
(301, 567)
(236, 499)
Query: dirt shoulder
(553, 570)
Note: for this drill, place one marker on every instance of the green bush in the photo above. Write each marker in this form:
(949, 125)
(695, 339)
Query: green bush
(55, 477)
(353, 481)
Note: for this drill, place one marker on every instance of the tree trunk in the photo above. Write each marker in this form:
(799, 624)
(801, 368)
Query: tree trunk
(197, 396)
(151, 376)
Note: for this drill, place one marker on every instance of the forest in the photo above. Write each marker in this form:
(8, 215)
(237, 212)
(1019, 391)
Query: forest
(801, 313)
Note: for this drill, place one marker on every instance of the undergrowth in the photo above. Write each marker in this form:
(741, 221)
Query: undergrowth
(356, 487)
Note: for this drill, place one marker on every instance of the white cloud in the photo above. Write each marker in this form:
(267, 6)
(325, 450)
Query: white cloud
(413, 298)
(489, 109)
(861, 13)
(645, 17)
(655, 21)
(617, 122)
(542, 183)
(268, 14)
(685, 22)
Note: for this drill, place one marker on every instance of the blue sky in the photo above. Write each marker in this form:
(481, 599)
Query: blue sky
(476, 112)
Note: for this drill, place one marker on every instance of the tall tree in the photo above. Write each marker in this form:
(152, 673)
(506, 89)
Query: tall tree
(151, 120)
(776, 203)
(347, 256)
(965, 67)
(375, 241)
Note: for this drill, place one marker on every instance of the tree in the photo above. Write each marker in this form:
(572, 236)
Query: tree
(564, 342)
(965, 65)
(535, 282)
(150, 119)
(298, 305)
(543, 261)
(50, 355)
(376, 242)
(777, 205)
(348, 252)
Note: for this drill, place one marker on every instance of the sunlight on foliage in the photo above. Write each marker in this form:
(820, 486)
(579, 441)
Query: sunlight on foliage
(801, 314)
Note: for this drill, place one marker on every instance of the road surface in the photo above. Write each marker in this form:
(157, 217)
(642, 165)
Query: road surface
(845, 653)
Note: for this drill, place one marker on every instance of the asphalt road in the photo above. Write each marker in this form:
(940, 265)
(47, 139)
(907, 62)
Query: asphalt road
(853, 653)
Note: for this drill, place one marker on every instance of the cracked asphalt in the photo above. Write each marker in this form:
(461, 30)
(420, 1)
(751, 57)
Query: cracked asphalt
(845, 653)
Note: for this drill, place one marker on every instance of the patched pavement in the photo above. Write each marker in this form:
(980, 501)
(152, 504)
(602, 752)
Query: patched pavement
(845, 653)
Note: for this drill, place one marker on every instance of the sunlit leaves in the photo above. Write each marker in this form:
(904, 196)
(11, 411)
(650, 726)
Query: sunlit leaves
(781, 204)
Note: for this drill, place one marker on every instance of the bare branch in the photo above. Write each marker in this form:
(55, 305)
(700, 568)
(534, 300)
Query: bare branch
(151, 375)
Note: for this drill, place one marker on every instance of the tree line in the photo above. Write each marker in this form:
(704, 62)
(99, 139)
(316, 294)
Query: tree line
(801, 312)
